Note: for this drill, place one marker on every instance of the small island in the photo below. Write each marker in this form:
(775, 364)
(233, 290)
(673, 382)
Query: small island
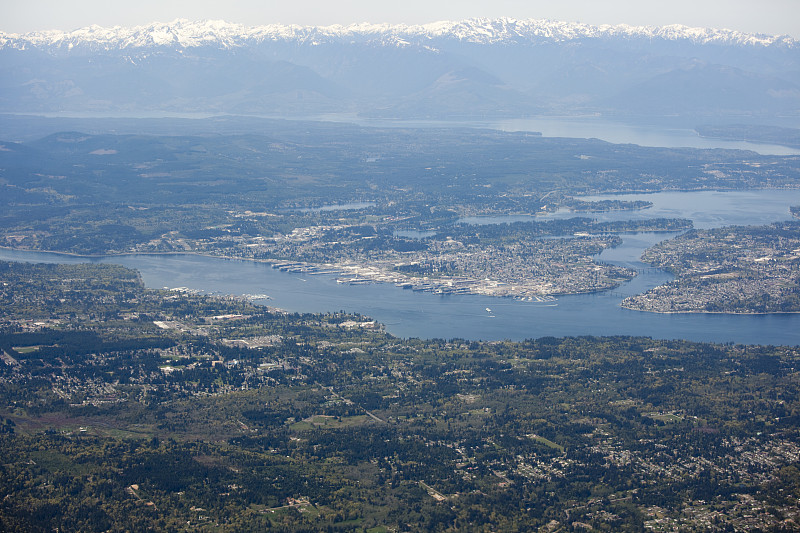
(602, 206)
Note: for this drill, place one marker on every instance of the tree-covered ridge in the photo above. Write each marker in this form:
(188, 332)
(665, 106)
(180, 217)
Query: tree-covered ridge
(184, 412)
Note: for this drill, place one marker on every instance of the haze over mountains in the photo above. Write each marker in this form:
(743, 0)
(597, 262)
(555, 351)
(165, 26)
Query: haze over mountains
(469, 69)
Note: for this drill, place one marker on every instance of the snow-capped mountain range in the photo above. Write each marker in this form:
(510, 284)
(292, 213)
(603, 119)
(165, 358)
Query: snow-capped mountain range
(477, 67)
(186, 33)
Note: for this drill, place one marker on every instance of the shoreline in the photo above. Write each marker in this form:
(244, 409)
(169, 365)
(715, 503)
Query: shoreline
(369, 274)
(430, 288)
(749, 313)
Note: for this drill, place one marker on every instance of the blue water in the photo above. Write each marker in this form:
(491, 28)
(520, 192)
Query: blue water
(414, 314)
(706, 209)
(583, 127)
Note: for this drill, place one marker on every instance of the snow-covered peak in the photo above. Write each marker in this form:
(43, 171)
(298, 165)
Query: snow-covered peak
(186, 34)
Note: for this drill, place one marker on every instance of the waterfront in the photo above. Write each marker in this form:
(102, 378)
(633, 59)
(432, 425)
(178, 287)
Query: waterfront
(414, 314)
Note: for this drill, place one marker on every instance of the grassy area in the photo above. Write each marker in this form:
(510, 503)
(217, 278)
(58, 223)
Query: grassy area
(546, 442)
(24, 349)
(667, 418)
(331, 422)
(128, 433)
(276, 513)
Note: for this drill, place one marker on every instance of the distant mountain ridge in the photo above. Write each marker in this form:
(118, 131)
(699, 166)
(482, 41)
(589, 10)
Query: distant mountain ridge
(188, 33)
(473, 68)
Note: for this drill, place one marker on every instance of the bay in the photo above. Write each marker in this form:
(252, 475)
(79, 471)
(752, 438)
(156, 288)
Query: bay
(414, 314)
(576, 127)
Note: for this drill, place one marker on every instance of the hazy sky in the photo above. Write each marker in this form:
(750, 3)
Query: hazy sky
(757, 16)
